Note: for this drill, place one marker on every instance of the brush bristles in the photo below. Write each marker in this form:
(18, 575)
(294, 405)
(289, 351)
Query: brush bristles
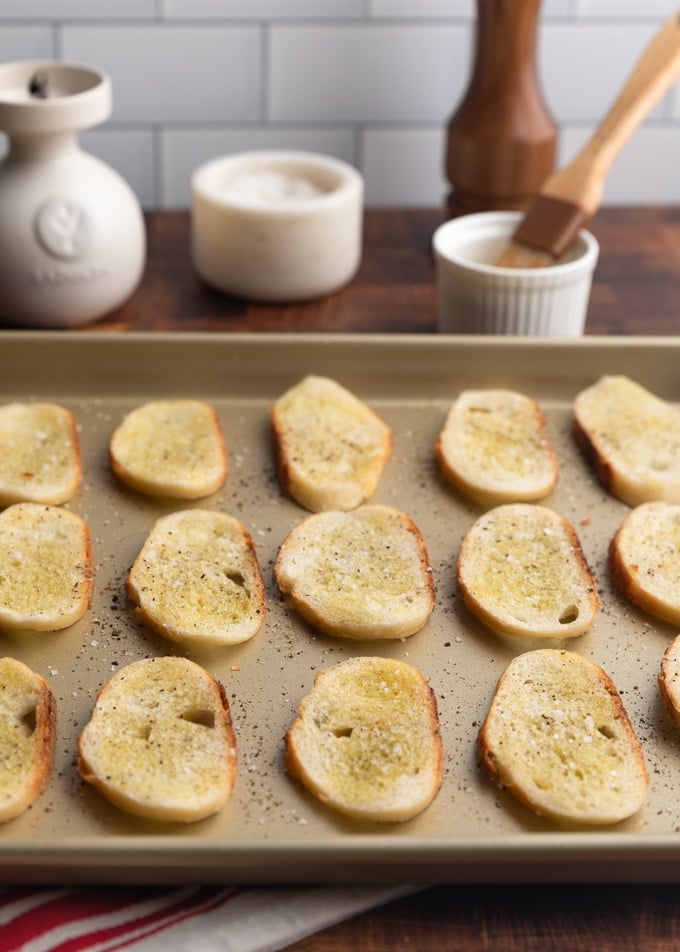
(544, 234)
(519, 256)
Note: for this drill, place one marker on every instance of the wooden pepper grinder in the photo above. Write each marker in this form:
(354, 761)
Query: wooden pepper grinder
(501, 140)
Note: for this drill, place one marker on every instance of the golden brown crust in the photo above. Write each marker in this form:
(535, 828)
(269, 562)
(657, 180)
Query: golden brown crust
(87, 571)
(669, 679)
(631, 437)
(45, 594)
(602, 466)
(507, 573)
(46, 728)
(160, 459)
(28, 775)
(197, 579)
(179, 775)
(367, 740)
(643, 559)
(556, 751)
(282, 451)
(364, 574)
(330, 447)
(77, 460)
(47, 469)
(624, 574)
(495, 448)
(296, 769)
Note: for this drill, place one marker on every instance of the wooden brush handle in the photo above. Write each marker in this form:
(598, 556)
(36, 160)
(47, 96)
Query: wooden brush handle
(582, 180)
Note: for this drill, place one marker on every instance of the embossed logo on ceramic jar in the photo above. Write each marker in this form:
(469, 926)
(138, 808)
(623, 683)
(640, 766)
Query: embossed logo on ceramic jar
(64, 228)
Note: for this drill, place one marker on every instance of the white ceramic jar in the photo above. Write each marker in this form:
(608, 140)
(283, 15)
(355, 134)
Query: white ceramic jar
(72, 235)
(474, 296)
(277, 225)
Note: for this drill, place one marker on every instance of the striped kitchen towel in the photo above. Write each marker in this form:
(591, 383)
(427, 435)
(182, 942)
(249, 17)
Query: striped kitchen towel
(173, 919)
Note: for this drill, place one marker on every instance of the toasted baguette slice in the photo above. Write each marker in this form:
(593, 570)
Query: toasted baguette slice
(644, 557)
(172, 448)
(47, 574)
(495, 448)
(27, 737)
(558, 737)
(361, 574)
(521, 570)
(632, 437)
(367, 742)
(197, 579)
(39, 454)
(669, 679)
(331, 447)
(160, 742)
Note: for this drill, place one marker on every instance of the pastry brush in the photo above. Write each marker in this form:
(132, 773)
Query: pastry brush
(570, 196)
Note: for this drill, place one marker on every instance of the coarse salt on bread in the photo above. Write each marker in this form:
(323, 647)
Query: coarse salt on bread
(46, 569)
(27, 737)
(39, 454)
(495, 447)
(197, 579)
(632, 437)
(521, 570)
(160, 742)
(558, 737)
(363, 574)
(331, 447)
(367, 741)
(172, 448)
(644, 556)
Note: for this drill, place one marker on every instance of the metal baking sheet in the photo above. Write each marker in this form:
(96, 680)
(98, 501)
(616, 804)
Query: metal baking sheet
(272, 831)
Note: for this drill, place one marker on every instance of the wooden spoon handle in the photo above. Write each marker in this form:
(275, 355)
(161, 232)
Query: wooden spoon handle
(581, 181)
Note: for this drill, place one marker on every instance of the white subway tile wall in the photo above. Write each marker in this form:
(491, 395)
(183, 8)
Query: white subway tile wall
(370, 81)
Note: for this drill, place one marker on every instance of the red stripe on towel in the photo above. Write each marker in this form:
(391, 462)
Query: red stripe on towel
(120, 920)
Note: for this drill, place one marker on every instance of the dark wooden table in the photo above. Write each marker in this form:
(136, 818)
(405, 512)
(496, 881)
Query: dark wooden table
(636, 291)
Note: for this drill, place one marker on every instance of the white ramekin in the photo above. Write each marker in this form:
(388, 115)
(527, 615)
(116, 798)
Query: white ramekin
(275, 250)
(474, 296)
